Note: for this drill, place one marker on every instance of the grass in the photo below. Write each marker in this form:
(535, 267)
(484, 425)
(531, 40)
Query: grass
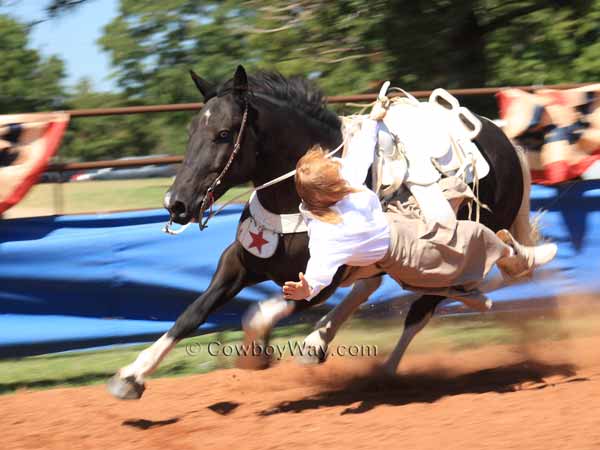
(93, 367)
(98, 196)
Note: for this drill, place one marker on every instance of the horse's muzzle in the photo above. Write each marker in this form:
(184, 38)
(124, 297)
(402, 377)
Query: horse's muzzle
(180, 213)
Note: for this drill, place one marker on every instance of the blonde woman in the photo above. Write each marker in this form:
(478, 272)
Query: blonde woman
(347, 226)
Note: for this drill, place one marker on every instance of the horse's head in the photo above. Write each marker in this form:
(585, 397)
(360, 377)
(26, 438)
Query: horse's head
(213, 133)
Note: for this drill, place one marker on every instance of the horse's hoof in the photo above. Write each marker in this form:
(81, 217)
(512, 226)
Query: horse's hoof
(254, 358)
(125, 388)
(312, 356)
(249, 362)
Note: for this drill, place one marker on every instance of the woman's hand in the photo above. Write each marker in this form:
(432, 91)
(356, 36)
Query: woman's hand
(296, 290)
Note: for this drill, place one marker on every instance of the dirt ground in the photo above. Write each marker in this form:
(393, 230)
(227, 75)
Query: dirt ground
(545, 396)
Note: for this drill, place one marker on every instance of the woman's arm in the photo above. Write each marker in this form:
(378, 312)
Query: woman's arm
(360, 154)
(320, 270)
(361, 150)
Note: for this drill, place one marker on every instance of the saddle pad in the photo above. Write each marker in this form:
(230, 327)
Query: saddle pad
(257, 240)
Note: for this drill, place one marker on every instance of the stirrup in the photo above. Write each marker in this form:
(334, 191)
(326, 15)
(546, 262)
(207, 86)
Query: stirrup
(470, 123)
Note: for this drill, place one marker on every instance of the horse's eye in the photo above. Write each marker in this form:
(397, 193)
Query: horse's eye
(223, 135)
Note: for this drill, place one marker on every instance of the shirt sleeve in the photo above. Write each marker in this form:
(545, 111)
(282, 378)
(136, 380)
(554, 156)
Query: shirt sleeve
(321, 268)
(360, 154)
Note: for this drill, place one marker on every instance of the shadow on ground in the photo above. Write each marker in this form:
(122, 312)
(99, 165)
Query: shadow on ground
(144, 424)
(374, 389)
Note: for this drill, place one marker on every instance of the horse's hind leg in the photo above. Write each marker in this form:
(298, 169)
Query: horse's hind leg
(260, 319)
(328, 326)
(420, 313)
(228, 280)
(522, 229)
(257, 323)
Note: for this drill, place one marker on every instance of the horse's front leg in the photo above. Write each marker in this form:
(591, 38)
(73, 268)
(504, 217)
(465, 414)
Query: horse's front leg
(231, 276)
(328, 326)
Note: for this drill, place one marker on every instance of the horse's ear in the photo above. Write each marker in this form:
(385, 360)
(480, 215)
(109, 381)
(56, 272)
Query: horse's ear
(206, 88)
(240, 81)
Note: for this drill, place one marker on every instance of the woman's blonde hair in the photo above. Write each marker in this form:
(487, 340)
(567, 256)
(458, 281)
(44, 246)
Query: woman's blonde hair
(320, 184)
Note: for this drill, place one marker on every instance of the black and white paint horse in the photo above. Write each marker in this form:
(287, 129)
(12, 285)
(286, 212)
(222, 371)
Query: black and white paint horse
(274, 121)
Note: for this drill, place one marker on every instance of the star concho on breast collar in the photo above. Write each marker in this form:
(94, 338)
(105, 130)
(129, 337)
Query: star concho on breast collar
(259, 233)
(257, 240)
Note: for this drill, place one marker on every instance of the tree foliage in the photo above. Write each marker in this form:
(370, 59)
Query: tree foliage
(107, 137)
(346, 46)
(28, 82)
(351, 45)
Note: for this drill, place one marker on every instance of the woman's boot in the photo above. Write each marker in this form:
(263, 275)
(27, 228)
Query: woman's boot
(525, 259)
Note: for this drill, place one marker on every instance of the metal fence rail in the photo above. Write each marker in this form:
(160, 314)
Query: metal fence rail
(62, 167)
(332, 99)
(58, 193)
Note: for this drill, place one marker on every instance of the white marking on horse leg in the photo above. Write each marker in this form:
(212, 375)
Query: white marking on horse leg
(149, 359)
(327, 327)
(409, 333)
(261, 317)
(317, 338)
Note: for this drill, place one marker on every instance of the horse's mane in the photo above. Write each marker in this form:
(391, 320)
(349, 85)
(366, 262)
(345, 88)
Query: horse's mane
(296, 92)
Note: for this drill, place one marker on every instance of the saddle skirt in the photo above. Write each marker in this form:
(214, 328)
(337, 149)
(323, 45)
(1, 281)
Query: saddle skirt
(419, 142)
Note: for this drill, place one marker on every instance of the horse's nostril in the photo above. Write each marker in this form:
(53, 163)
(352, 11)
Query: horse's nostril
(178, 209)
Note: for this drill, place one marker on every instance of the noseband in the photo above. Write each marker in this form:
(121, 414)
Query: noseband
(208, 199)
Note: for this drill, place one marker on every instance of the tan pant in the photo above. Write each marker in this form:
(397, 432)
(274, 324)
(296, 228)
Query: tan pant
(440, 260)
(450, 262)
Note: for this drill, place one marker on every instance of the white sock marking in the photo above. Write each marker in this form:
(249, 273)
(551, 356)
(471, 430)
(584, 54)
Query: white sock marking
(148, 359)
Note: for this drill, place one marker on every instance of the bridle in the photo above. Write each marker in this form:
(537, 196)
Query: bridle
(209, 199)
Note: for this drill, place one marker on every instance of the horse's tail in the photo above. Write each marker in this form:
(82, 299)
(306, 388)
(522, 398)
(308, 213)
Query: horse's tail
(525, 230)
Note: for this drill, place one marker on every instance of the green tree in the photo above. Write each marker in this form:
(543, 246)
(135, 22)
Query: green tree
(547, 46)
(28, 82)
(154, 45)
(96, 138)
(351, 45)
(346, 45)
(425, 44)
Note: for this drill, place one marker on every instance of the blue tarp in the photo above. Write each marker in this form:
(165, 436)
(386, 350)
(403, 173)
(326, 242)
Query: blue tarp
(80, 281)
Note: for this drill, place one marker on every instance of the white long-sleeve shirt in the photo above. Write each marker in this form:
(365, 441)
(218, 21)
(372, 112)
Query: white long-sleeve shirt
(362, 237)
